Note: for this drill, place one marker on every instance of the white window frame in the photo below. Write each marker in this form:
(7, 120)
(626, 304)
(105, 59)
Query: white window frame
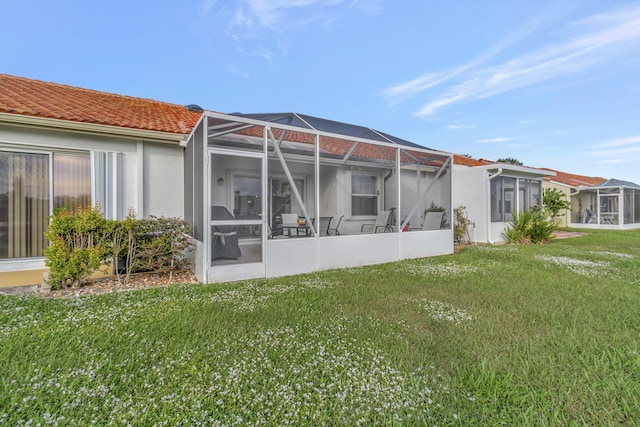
(517, 201)
(31, 263)
(106, 183)
(379, 194)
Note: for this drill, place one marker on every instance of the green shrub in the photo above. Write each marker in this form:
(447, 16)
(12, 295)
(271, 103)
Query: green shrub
(82, 242)
(529, 226)
(77, 246)
(461, 225)
(554, 201)
(160, 245)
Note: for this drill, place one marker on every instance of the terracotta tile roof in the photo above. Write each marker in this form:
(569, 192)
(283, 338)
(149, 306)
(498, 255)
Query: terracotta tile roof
(573, 180)
(36, 98)
(469, 161)
(340, 146)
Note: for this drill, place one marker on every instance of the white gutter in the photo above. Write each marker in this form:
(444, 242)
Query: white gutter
(491, 242)
(90, 128)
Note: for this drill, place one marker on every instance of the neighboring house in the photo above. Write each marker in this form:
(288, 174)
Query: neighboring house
(568, 184)
(242, 181)
(490, 191)
(67, 146)
(253, 175)
(609, 204)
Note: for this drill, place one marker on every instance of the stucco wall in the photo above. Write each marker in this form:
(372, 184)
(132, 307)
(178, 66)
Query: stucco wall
(469, 189)
(151, 174)
(163, 180)
(565, 219)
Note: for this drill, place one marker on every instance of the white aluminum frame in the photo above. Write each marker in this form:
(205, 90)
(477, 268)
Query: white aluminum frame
(292, 256)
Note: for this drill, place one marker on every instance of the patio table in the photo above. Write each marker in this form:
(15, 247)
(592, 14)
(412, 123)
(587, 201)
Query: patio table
(304, 229)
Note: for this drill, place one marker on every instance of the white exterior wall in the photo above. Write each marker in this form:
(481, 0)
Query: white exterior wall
(470, 189)
(163, 180)
(152, 172)
(152, 177)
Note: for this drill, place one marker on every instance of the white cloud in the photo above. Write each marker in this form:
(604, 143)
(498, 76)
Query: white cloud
(595, 41)
(287, 15)
(429, 80)
(207, 5)
(494, 140)
(621, 141)
(456, 127)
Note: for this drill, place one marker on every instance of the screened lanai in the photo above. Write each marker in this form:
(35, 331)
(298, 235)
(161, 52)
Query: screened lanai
(278, 194)
(610, 204)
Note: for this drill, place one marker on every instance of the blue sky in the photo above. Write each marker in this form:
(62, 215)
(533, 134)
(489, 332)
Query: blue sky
(552, 83)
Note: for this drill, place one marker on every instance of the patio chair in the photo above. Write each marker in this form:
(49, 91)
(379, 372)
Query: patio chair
(334, 224)
(432, 221)
(589, 216)
(382, 223)
(225, 237)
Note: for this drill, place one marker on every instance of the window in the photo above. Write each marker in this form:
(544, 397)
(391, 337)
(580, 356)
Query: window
(364, 194)
(247, 197)
(27, 184)
(503, 196)
(529, 195)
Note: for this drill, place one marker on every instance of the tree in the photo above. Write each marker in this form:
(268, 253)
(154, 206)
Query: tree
(554, 202)
(511, 161)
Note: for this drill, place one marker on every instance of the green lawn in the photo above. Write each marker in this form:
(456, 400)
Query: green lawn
(514, 335)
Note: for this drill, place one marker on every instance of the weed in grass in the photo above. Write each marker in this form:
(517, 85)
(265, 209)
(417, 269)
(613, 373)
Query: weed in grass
(611, 254)
(443, 312)
(578, 266)
(344, 347)
(300, 374)
(443, 269)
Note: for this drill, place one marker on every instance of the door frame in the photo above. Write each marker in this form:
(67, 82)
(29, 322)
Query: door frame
(240, 270)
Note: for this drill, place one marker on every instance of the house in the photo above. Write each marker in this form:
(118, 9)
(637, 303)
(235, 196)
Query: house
(490, 191)
(608, 204)
(568, 183)
(597, 202)
(267, 195)
(67, 146)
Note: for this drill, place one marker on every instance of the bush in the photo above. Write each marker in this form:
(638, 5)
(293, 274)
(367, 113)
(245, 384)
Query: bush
(81, 242)
(461, 225)
(554, 201)
(160, 245)
(77, 246)
(529, 226)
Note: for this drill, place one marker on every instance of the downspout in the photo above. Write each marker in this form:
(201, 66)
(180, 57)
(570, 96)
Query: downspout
(491, 242)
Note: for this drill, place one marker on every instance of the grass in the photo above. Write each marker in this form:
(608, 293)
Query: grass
(515, 335)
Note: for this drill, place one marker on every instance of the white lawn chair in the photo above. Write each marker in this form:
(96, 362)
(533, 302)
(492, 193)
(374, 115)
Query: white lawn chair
(432, 221)
(382, 224)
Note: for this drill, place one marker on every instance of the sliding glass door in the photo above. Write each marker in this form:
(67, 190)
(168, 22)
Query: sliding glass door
(31, 185)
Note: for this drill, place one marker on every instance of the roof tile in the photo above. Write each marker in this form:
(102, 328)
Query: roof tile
(573, 180)
(19, 95)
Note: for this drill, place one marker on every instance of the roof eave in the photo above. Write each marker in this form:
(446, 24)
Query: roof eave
(516, 168)
(91, 128)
